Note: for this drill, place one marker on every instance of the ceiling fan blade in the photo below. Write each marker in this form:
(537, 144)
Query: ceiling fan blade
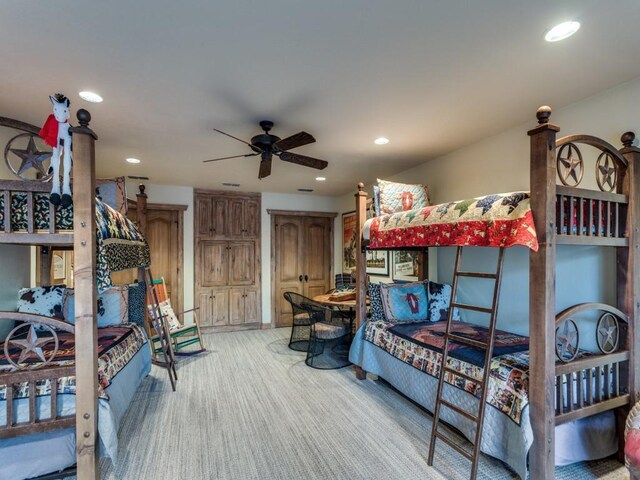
(235, 138)
(234, 156)
(304, 160)
(294, 141)
(265, 168)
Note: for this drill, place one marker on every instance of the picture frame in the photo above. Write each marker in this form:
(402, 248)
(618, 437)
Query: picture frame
(405, 265)
(59, 266)
(378, 262)
(349, 242)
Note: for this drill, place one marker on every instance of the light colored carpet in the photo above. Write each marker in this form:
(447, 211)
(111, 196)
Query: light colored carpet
(251, 409)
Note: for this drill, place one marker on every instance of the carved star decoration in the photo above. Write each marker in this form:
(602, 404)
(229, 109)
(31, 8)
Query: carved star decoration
(607, 173)
(31, 344)
(566, 340)
(31, 158)
(608, 335)
(571, 165)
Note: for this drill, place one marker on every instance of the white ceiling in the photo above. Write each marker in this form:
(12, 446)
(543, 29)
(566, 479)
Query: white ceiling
(429, 75)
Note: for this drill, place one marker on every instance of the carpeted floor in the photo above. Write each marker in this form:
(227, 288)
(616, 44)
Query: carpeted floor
(251, 409)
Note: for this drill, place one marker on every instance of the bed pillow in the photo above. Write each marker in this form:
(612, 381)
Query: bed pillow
(45, 301)
(407, 302)
(113, 306)
(137, 303)
(375, 303)
(439, 301)
(376, 201)
(167, 311)
(399, 197)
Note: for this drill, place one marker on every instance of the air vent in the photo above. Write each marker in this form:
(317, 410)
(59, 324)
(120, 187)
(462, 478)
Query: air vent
(227, 184)
(136, 177)
(305, 190)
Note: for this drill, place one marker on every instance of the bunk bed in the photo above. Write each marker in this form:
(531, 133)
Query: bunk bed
(96, 370)
(542, 392)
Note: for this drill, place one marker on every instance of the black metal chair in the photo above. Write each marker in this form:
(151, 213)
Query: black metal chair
(329, 339)
(301, 326)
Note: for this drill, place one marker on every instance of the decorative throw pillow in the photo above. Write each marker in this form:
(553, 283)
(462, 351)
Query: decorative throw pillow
(167, 311)
(376, 201)
(113, 308)
(375, 303)
(407, 302)
(45, 301)
(399, 197)
(137, 303)
(439, 301)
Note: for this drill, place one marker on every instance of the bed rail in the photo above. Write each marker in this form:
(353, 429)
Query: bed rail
(26, 383)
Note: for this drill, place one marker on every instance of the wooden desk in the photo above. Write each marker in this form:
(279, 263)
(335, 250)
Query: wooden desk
(324, 299)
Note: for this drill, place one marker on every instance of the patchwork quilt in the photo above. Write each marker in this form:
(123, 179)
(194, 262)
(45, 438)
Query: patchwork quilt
(120, 246)
(420, 345)
(116, 347)
(500, 220)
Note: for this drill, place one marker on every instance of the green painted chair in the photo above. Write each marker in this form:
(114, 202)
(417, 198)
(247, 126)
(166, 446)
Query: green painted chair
(181, 335)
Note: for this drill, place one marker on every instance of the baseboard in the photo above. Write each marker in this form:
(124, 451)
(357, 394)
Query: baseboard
(265, 326)
(231, 328)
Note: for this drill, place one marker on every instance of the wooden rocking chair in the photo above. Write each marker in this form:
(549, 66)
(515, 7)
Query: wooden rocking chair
(181, 335)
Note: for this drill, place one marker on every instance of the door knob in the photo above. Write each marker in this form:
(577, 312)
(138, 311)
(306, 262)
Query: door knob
(306, 278)
(300, 278)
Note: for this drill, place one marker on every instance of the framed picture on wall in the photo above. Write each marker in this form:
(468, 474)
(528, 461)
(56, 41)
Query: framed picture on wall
(348, 242)
(378, 262)
(405, 265)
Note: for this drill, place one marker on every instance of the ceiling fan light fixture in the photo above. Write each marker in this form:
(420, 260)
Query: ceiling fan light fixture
(91, 97)
(133, 161)
(381, 141)
(561, 31)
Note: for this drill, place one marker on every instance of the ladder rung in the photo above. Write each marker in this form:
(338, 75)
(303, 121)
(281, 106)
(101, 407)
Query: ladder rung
(454, 445)
(469, 341)
(459, 410)
(477, 275)
(472, 307)
(463, 375)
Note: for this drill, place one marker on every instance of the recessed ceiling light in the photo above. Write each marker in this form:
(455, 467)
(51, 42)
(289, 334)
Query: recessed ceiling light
(133, 160)
(381, 141)
(90, 97)
(562, 31)
(320, 179)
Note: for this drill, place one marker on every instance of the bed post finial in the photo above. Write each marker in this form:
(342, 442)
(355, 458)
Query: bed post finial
(627, 138)
(543, 114)
(141, 189)
(360, 187)
(84, 117)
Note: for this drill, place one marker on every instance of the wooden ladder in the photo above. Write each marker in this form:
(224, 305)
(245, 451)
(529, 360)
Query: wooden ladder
(451, 336)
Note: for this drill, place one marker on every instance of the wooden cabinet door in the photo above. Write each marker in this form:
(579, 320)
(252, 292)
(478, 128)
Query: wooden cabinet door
(214, 263)
(251, 307)
(203, 216)
(288, 265)
(220, 307)
(316, 254)
(242, 266)
(219, 215)
(205, 302)
(236, 306)
(251, 218)
(235, 225)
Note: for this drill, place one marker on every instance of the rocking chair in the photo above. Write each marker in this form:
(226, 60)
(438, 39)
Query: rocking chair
(181, 335)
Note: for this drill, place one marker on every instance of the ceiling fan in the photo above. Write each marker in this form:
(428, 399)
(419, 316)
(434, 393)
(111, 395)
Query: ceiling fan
(267, 145)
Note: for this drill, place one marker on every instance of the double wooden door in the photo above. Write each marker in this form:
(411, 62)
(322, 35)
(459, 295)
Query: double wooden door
(302, 256)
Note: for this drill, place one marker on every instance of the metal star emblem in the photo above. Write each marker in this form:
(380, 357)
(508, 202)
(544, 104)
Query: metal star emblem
(607, 173)
(566, 341)
(607, 333)
(31, 344)
(31, 158)
(572, 166)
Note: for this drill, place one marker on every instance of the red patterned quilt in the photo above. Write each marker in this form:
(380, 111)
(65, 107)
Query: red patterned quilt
(116, 347)
(420, 345)
(501, 220)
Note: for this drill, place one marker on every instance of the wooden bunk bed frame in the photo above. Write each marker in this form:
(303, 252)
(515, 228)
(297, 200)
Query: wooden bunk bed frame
(607, 217)
(83, 242)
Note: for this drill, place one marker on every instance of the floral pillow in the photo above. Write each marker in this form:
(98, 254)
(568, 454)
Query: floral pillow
(45, 301)
(113, 306)
(167, 312)
(439, 301)
(399, 197)
(375, 303)
(405, 302)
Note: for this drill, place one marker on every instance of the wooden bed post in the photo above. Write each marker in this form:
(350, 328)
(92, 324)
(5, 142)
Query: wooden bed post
(628, 260)
(84, 247)
(141, 209)
(361, 266)
(542, 266)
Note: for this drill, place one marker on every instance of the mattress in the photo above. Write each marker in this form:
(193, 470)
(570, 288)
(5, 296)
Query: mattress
(411, 366)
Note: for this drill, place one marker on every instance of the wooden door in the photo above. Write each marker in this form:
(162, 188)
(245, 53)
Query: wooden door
(205, 303)
(251, 306)
(316, 251)
(288, 265)
(242, 265)
(236, 306)
(214, 263)
(219, 307)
